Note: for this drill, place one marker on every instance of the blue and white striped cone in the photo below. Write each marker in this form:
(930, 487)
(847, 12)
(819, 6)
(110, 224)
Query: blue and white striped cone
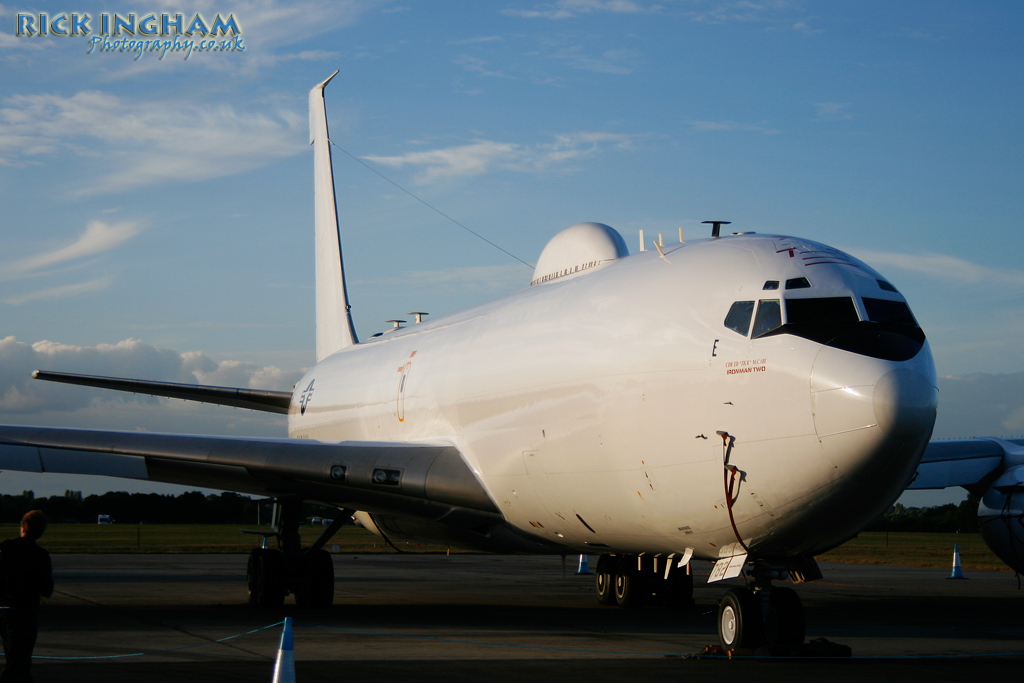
(584, 566)
(957, 572)
(284, 667)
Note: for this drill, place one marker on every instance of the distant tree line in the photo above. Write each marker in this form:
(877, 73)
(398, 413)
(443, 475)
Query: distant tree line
(949, 518)
(192, 507)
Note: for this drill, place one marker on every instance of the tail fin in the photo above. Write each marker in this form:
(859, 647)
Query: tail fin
(334, 330)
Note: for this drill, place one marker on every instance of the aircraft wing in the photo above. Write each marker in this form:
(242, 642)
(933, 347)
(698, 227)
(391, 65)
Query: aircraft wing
(419, 480)
(972, 463)
(251, 399)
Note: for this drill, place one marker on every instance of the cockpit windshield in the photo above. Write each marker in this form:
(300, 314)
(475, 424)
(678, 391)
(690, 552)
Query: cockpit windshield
(889, 312)
(889, 330)
(834, 309)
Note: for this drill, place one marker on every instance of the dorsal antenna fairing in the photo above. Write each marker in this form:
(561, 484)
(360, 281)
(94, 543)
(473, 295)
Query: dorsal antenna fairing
(334, 329)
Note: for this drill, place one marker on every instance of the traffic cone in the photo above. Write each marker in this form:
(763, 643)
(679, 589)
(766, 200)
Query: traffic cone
(957, 572)
(584, 566)
(284, 667)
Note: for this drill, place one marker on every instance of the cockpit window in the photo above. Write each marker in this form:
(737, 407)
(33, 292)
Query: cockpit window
(886, 286)
(889, 312)
(769, 317)
(738, 318)
(838, 309)
(771, 284)
(798, 283)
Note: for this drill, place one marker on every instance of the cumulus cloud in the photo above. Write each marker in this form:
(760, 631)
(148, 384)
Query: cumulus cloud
(144, 142)
(131, 358)
(488, 156)
(943, 267)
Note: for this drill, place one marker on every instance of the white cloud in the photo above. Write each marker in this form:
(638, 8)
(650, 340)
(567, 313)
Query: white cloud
(60, 292)
(943, 267)
(481, 39)
(268, 28)
(832, 110)
(609, 62)
(485, 278)
(478, 66)
(144, 143)
(487, 156)
(131, 358)
(739, 11)
(569, 9)
(97, 238)
(980, 405)
(705, 126)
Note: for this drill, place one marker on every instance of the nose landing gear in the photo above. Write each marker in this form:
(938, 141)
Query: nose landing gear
(766, 615)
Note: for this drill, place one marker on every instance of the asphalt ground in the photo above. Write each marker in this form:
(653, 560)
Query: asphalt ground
(488, 619)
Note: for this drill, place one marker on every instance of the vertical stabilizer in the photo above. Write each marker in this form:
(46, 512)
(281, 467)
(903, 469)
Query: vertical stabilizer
(334, 330)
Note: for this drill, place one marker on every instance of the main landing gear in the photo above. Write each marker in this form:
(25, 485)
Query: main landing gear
(636, 580)
(308, 574)
(762, 616)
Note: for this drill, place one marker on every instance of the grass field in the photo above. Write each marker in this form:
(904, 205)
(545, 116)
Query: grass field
(916, 550)
(907, 549)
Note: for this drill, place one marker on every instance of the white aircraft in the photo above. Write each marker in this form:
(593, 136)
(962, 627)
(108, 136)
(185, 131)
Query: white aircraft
(747, 399)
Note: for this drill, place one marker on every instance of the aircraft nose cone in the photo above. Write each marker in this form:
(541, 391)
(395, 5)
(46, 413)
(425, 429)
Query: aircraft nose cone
(851, 393)
(904, 402)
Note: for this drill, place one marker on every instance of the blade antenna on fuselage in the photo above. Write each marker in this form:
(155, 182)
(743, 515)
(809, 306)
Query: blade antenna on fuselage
(334, 329)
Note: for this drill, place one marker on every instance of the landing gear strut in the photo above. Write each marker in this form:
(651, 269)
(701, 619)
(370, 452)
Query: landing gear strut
(307, 574)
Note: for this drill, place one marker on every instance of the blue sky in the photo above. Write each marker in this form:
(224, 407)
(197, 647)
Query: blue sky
(156, 214)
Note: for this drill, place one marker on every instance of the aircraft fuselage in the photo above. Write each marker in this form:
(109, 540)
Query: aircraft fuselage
(591, 408)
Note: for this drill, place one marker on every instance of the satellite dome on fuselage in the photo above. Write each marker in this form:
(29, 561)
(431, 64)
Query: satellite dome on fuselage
(578, 250)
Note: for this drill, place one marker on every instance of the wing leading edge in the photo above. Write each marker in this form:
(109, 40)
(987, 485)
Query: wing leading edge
(973, 463)
(426, 481)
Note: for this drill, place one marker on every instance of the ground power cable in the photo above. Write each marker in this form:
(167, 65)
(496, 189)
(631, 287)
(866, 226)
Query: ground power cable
(171, 649)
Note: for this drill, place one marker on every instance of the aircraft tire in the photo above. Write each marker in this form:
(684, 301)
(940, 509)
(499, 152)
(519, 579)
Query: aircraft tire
(785, 623)
(604, 580)
(631, 590)
(265, 578)
(739, 620)
(317, 579)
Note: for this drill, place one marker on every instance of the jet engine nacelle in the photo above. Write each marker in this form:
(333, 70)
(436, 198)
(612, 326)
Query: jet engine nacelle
(1001, 517)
